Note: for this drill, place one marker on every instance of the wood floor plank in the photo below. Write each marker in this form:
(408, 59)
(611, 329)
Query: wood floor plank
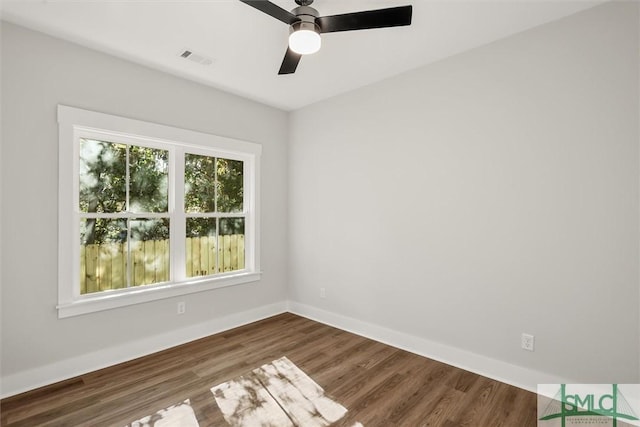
(476, 402)
(423, 399)
(378, 384)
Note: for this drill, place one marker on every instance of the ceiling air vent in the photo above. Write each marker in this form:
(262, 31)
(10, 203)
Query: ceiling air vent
(195, 57)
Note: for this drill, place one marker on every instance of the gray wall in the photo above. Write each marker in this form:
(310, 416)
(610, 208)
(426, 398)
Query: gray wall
(39, 72)
(492, 193)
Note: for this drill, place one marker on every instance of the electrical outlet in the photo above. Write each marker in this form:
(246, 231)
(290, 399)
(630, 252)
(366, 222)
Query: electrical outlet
(528, 342)
(182, 307)
(323, 293)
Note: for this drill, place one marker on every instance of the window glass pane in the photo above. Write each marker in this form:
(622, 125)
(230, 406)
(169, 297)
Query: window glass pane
(149, 173)
(103, 254)
(102, 175)
(231, 244)
(230, 191)
(149, 251)
(199, 182)
(201, 248)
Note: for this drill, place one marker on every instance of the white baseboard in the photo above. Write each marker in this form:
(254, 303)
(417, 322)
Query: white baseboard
(65, 369)
(518, 376)
(502, 371)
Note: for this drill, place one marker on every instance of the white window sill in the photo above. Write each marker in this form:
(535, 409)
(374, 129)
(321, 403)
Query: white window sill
(109, 300)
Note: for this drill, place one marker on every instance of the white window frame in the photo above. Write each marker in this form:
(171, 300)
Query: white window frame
(75, 123)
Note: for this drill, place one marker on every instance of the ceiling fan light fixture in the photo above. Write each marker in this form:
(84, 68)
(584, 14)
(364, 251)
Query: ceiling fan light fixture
(305, 38)
(306, 25)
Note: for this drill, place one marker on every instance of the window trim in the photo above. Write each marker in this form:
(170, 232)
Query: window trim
(72, 123)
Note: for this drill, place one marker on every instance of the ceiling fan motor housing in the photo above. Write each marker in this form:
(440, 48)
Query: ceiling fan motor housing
(306, 13)
(307, 16)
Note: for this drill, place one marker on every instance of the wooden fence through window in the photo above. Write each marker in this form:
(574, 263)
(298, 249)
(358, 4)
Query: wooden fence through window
(104, 266)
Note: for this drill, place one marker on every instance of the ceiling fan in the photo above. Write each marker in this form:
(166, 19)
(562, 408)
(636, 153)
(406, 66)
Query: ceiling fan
(305, 25)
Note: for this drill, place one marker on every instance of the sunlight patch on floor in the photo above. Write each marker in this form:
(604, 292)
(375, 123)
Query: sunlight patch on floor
(180, 414)
(277, 394)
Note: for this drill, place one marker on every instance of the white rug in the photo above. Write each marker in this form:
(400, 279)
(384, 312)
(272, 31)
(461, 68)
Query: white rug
(277, 394)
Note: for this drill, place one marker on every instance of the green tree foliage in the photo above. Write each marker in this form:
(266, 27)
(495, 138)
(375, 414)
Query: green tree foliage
(102, 176)
(229, 185)
(211, 185)
(148, 179)
(199, 179)
(103, 189)
(225, 195)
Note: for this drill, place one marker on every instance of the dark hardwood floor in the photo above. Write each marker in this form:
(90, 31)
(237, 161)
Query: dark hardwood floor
(378, 384)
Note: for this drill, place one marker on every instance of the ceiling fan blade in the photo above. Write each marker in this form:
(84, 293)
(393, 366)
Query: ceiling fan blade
(290, 62)
(273, 10)
(380, 18)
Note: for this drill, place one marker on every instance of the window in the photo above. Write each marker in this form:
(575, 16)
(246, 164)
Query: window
(150, 211)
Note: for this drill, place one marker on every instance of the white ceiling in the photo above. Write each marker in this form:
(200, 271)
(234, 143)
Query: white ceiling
(247, 46)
